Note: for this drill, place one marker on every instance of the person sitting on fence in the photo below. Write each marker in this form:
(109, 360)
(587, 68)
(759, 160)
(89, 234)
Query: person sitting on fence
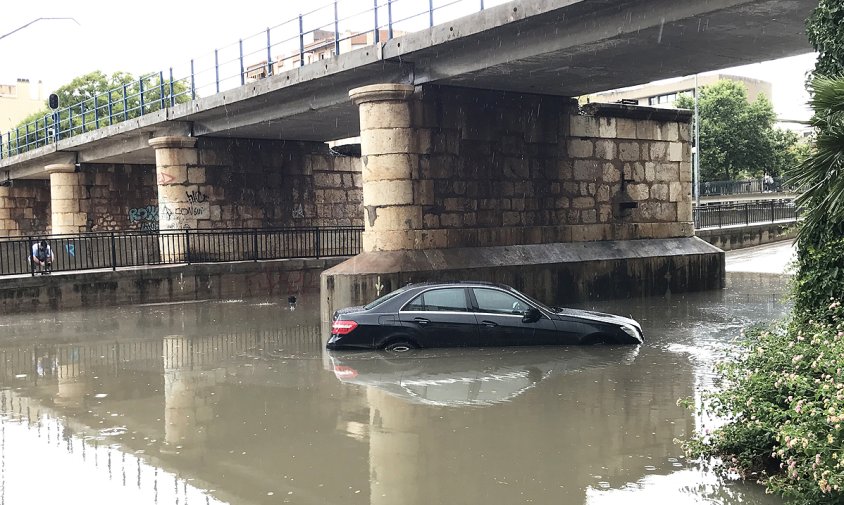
(42, 257)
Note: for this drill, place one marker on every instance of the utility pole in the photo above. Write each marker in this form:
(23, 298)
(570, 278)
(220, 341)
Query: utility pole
(697, 147)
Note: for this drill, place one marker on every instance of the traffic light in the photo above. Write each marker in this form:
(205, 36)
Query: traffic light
(54, 101)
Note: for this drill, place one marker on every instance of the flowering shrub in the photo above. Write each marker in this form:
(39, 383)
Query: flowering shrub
(782, 398)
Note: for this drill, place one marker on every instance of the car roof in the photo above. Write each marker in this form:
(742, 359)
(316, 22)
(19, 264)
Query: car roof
(458, 283)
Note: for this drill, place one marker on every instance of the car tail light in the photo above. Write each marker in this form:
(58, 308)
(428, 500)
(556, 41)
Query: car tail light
(343, 327)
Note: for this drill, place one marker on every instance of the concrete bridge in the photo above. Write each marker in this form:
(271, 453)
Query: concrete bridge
(474, 161)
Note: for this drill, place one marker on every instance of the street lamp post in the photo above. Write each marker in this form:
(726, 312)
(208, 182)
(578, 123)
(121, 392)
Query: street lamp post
(33, 22)
(697, 147)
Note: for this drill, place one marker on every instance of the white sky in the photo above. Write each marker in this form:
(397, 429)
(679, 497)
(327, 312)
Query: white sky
(154, 35)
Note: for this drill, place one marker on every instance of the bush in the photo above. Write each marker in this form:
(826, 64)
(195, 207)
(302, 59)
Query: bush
(783, 398)
(820, 265)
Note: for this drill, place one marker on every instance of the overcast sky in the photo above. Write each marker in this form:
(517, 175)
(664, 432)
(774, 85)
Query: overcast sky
(154, 35)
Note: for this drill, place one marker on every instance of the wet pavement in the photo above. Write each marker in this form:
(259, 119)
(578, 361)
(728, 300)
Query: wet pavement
(236, 402)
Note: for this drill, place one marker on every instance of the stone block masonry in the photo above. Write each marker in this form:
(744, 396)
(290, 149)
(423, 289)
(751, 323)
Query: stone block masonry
(529, 190)
(262, 184)
(25, 208)
(479, 168)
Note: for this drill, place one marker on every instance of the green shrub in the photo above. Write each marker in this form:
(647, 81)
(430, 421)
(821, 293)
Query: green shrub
(820, 267)
(782, 396)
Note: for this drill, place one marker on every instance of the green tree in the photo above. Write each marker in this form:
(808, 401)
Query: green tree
(95, 100)
(825, 28)
(820, 272)
(736, 136)
(788, 151)
(820, 263)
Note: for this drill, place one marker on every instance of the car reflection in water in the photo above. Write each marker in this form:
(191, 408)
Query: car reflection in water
(470, 377)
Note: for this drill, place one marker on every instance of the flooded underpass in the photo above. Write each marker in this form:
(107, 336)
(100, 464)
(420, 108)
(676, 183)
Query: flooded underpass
(237, 402)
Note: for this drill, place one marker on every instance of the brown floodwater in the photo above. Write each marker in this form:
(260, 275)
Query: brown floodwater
(237, 402)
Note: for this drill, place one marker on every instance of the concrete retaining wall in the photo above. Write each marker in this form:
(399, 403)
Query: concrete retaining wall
(728, 239)
(279, 278)
(552, 273)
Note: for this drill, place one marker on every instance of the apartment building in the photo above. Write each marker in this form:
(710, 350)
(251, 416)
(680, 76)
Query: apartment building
(18, 101)
(665, 93)
(319, 45)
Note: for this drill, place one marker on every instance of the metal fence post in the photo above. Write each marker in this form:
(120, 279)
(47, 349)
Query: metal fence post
(375, 10)
(269, 55)
(161, 90)
(172, 91)
(242, 76)
(390, 19)
(255, 242)
(772, 212)
(430, 13)
(141, 92)
(317, 242)
(337, 30)
(110, 110)
(96, 113)
(192, 82)
(113, 253)
(746, 213)
(301, 42)
(28, 246)
(187, 245)
(217, 69)
(125, 104)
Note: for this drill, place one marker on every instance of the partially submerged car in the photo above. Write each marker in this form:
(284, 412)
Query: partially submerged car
(476, 314)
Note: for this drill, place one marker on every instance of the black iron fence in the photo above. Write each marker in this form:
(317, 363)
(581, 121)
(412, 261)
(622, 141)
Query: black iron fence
(744, 214)
(87, 251)
(760, 185)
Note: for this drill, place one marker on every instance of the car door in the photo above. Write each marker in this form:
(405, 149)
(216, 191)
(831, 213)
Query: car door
(500, 317)
(440, 317)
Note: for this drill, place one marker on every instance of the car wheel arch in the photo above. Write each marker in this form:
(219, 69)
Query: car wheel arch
(398, 340)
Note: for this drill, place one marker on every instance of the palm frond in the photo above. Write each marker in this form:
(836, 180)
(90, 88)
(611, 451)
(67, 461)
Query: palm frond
(821, 175)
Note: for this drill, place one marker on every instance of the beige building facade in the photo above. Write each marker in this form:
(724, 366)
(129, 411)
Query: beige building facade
(18, 101)
(665, 93)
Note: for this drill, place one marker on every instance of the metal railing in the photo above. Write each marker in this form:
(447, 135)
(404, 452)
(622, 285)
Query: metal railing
(718, 188)
(745, 214)
(88, 251)
(338, 27)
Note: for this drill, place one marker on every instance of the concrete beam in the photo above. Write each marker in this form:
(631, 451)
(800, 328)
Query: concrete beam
(295, 105)
(572, 48)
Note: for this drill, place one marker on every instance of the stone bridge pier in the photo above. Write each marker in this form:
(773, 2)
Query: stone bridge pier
(562, 202)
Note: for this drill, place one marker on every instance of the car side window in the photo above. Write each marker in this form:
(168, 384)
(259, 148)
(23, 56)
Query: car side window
(498, 302)
(439, 300)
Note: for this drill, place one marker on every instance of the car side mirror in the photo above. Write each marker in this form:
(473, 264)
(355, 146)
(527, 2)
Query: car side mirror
(532, 315)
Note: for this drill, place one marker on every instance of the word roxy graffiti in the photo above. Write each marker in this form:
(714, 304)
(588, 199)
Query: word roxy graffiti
(147, 217)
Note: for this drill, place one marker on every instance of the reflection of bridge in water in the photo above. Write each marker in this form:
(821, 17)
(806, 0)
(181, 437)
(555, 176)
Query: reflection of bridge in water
(168, 418)
(56, 396)
(41, 363)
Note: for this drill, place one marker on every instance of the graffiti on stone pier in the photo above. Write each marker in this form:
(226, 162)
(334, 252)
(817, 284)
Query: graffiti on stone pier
(196, 196)
(147, 217)
(184, 214)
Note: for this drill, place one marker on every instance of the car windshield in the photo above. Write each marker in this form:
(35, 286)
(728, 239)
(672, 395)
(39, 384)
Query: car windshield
(388, 296)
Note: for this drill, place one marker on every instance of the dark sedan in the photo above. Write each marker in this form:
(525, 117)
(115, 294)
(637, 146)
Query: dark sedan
(471, 314)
